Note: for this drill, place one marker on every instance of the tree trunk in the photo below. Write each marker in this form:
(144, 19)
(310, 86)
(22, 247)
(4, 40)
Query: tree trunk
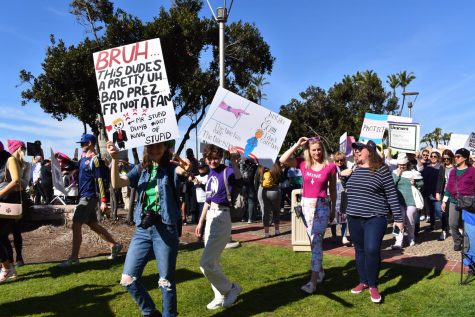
(186, 137)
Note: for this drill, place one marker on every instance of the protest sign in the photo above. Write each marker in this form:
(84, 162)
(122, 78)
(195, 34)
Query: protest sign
(374, 126)
(457, 141)
(135, 95)
(470, 143)
(404, 137)
(57, 175)
(233, 121)
(343, 142)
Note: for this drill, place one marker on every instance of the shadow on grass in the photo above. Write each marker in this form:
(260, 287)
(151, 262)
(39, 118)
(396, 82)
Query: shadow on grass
(85, 300)
(270, 297)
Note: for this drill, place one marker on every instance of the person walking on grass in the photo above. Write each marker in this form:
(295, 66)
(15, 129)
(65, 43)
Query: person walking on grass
(319, 177)
(371, 195)
(85, 212)
(155, 215)
(216, 214)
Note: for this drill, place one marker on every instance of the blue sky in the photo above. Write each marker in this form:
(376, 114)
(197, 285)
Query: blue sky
(314, 42)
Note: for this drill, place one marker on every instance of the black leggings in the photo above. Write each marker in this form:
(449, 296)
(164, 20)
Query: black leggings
(6, 251)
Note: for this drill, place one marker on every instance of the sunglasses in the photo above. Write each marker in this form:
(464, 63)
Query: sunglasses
(314, 139)
(339, 161)
(446, 158)
(425, 154)
(434, 156)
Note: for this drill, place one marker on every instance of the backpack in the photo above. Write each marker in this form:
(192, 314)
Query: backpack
(105, 173)
(236, 199)
(267, 180)
(247, 171)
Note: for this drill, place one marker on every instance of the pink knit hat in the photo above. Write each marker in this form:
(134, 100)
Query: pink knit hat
(14, 145)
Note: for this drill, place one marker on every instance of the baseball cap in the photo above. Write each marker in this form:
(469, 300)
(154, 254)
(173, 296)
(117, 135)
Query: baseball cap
(202, 164)
(368, 144)
(85, 138)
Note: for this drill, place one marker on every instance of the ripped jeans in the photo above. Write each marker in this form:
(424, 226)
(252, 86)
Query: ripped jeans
(162, 241)
(316, 214)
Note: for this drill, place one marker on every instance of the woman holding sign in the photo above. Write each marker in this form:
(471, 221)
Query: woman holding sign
(155, 216)
(318, 178)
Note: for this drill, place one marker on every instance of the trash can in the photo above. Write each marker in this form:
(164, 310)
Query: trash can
(300, 240)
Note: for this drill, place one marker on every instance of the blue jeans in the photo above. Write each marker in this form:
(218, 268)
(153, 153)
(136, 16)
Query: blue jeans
(161, 240)
(367, 235)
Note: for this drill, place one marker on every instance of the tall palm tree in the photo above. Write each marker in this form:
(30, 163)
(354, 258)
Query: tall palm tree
(404, 80)
(393, 82)
(255, 88)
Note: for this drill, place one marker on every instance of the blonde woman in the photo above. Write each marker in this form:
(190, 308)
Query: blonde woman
(10, 193)
(318, 178)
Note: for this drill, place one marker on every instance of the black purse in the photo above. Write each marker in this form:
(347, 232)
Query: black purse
(298, 211)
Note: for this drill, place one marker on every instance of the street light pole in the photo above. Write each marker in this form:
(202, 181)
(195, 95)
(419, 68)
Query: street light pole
(410, 104)
(221, 18)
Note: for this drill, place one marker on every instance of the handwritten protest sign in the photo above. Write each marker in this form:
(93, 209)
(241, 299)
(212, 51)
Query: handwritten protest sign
(470, 143)
(255, 131)
(404, 137)
(135, 95)
(374, 126)
(457, 141)
(57, 175)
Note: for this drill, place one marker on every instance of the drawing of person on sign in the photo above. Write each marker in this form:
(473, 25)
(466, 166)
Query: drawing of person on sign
(235, 111)
(252, 144)
(119, 136)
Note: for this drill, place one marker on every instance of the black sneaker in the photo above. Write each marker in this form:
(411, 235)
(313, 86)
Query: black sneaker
(457, 247)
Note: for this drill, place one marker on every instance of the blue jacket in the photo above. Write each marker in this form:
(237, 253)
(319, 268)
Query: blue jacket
(138, 178)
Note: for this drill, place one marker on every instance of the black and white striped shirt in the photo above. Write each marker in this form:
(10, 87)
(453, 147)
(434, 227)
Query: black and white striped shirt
(372, 193)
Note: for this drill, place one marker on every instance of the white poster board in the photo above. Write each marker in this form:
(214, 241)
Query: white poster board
(404, 137)
(457, 141)
(233, 121)
(470, 143)
(374, 126)
(135, 95)
(56, 174)
(343, 142)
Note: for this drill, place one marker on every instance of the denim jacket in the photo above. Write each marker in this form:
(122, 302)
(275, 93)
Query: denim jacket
(138, 178)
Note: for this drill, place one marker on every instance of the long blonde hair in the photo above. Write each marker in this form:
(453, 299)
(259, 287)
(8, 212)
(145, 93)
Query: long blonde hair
(306, 152)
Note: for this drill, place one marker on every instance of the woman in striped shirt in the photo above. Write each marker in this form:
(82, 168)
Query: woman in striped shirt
(371, 195)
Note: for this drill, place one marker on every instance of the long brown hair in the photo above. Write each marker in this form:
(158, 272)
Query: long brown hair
(165, 160)
(375, 161)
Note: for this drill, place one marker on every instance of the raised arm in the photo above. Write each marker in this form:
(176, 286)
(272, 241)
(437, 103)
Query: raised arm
(117, 180)
(287, 158)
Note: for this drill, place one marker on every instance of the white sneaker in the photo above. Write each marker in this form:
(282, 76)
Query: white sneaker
(412, 243)
(266, 235)
(422, 218)
(443, 235)
(309, 288)
(345, 241)
(215, 303)
(232, 295)
(7, 274)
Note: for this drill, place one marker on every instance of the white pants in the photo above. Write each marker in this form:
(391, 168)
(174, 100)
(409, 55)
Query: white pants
(217, 235)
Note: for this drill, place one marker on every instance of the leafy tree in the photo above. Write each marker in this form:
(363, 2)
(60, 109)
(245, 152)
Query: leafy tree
(341, 109)
(67, 85)
(436, 137)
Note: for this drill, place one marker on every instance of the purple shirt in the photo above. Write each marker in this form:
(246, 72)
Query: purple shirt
(215, 188)
(465, 183)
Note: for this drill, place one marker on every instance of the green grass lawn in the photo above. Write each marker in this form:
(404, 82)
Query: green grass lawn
(270, 276)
